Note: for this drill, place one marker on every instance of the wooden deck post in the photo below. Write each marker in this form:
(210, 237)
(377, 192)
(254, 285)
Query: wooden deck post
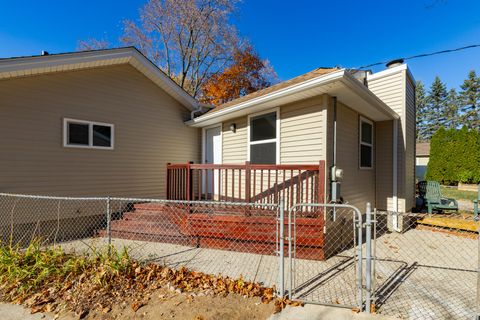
(321, 182)
(168, 181)
(188, 182)
(248, 177)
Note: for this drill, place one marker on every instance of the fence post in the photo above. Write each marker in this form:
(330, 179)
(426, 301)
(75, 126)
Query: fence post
(478, 274)
(368, 259)
(109, 224)
(290, 253)
(281, 239)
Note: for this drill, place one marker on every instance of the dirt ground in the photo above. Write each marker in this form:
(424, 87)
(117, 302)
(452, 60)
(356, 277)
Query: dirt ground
(167, 304)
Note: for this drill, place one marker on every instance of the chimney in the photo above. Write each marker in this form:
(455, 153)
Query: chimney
(44, 53)
(395, 86)
(394, 63)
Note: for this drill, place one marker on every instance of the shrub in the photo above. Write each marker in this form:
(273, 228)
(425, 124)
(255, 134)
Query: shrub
(454, 156)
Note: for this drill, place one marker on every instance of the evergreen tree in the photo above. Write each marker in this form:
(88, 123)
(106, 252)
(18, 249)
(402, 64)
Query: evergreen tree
(421, 100)
(452, 120)
(470, 99)
(437, 101)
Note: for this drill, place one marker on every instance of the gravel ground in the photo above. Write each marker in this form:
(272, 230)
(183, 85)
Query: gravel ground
(420, 274)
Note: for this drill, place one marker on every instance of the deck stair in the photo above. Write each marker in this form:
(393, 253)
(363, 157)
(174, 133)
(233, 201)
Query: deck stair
(220, 228)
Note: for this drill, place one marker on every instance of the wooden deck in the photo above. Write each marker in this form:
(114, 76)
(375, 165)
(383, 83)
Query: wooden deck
(459, 225)
(223, 230)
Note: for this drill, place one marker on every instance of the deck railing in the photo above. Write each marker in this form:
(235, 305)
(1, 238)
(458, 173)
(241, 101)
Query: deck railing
(251, 183)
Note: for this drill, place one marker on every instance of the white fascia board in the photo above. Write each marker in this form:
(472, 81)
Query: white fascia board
(271, 96)
(151, 68)
(48, 61)
(369, 96)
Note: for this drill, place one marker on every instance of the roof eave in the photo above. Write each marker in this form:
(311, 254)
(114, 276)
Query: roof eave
(369, 96)
(341, 75)
(334, 76)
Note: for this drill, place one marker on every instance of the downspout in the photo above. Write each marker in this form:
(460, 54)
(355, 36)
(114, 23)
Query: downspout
(395, 176)
(334, 131)
(199, 108)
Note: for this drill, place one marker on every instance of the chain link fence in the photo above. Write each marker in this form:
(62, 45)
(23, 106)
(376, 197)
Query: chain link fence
(324, 258)
(425, 266)
(412, 266)
(227, 238)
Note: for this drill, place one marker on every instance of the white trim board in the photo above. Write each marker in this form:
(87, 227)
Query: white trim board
(220, 125)
(276, 140)
(90, 124)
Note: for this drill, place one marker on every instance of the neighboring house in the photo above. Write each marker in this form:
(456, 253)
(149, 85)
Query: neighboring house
(421, 160)
(107, 122)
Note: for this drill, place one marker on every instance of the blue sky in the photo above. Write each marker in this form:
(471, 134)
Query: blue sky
(296, 36)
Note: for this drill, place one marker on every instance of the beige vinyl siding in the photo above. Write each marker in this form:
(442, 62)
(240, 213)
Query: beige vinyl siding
(358, 185)
(384, 164)
(302, 132)
(410, 118)
(301, 140)
(234, 144)
(391, 89)
(149, 132)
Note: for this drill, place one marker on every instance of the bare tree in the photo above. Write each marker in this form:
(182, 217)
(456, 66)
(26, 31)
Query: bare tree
(190, 39)
(92, 44)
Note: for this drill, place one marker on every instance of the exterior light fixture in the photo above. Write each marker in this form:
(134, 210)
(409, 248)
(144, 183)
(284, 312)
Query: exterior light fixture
(233, 127)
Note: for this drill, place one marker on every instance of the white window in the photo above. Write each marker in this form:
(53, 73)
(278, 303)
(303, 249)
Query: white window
(366, 143)
(87, 134)
(263, 138)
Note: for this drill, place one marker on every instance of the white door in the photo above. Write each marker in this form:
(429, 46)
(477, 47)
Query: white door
(213, 155)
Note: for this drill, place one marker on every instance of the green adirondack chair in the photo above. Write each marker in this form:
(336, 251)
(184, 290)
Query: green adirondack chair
(432, 196)
(475, 205)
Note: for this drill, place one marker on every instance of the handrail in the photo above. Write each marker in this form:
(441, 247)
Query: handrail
(247, 182)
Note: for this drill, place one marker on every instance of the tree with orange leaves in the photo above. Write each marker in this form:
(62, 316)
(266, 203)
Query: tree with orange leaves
(247, 73)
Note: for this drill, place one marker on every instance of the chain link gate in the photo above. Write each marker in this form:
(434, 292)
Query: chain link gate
(425, 266)
(324, 254)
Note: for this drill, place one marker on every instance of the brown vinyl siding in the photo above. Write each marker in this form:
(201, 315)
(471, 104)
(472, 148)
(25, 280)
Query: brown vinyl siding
(149, 132)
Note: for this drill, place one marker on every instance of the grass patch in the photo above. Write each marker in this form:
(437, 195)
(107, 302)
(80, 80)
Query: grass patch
(454, 193)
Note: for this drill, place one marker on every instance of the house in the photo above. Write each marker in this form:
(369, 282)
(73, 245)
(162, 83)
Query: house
(110, 123)
(421, 160)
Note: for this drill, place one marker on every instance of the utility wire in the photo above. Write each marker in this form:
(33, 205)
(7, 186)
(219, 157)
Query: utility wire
(423, 55)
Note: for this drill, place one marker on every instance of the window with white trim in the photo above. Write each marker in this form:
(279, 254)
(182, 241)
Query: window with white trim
(366, 144)
(87, 134)
(263, 142)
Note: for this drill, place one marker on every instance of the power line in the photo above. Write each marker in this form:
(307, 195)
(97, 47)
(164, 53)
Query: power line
(423, 55)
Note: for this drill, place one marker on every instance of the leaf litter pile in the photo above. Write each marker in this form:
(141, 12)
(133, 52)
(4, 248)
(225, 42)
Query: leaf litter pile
(50, 280)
